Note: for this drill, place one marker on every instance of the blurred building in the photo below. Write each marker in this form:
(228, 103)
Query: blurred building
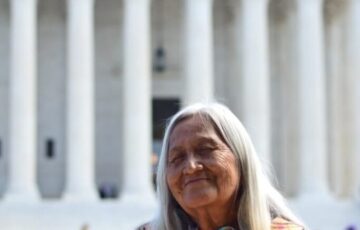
(86, 87)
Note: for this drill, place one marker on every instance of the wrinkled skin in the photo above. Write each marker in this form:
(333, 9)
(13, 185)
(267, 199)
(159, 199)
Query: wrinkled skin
(202, 174)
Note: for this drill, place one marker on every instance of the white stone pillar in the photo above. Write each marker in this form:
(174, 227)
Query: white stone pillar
(137, 100)
(337, 109)
(80, 184)
(353, 74)
(313, 159)
(22, 156)
(199, 69)
(254, 73)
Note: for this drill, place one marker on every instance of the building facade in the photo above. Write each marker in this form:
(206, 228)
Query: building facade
(81, 80)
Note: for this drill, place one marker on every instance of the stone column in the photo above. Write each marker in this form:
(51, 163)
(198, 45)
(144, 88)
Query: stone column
(313, 159)
(80, 169)
(336, 100)
(22, 148)
(353, 74)
(137, 101)
(199, 68)
(254, 72)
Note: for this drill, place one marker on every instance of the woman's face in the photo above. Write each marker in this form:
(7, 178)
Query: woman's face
(201, 169)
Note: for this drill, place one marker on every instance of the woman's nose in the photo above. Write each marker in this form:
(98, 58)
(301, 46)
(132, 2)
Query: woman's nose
(192, 165)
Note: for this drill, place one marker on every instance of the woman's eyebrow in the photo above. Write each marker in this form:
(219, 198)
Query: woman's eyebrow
(175, 150)
(206, 140)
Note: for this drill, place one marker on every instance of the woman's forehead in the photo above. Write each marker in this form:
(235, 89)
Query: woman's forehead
(193, 130)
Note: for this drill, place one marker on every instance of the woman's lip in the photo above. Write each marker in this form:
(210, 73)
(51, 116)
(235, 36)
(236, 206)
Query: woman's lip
(190, 181)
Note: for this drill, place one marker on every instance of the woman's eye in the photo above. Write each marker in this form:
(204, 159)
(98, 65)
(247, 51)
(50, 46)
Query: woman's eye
(205, 149)
(175, 160)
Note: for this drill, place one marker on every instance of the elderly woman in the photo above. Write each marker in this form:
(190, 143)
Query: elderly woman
(210, 178)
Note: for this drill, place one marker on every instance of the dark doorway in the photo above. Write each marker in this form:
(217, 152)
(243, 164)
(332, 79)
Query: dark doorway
(163, 109)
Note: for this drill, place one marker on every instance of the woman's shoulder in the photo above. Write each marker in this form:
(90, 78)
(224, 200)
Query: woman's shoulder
(282, 224)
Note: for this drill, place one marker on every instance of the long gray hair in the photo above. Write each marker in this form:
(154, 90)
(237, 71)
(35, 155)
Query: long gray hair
(259, 201)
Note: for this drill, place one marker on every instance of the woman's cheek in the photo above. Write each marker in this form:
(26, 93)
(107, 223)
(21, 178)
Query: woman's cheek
(172, 177)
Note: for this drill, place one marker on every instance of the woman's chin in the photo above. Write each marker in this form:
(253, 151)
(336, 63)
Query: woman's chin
(196, 199)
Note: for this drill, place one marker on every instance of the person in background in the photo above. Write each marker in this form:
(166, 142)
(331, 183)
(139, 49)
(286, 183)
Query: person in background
(210, 177)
